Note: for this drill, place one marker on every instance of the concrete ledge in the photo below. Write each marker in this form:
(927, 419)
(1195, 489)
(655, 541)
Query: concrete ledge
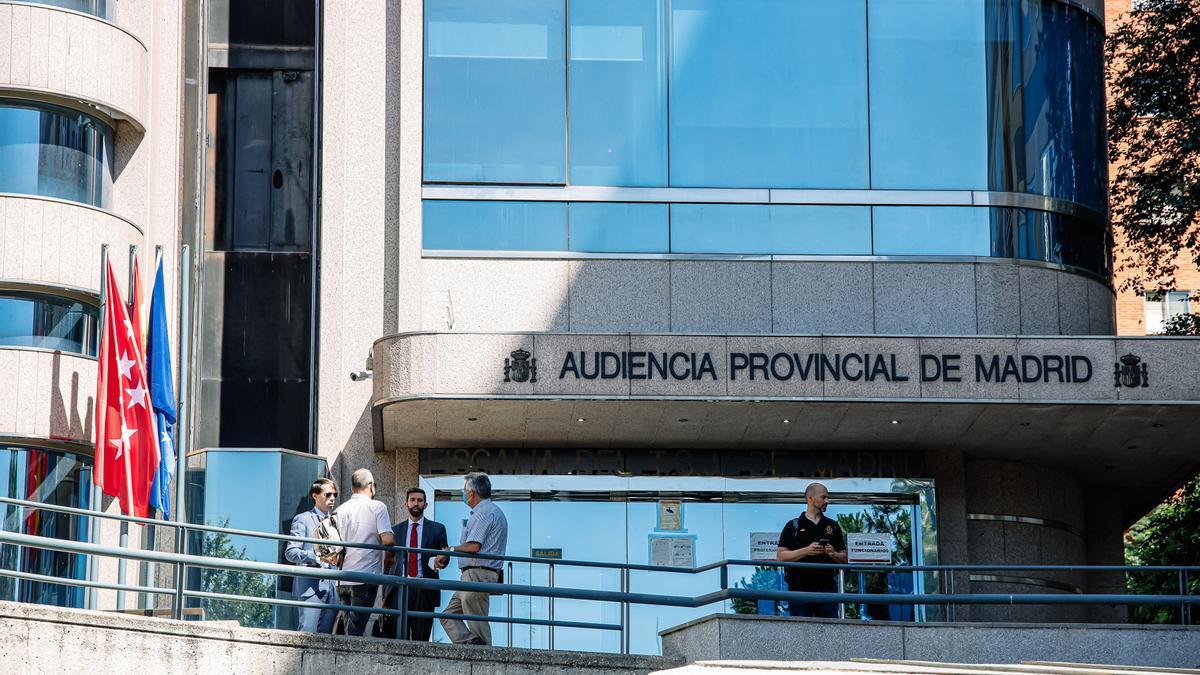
(744, 637)
(53, 639)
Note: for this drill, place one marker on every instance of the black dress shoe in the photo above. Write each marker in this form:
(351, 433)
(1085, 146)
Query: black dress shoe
(475, 640)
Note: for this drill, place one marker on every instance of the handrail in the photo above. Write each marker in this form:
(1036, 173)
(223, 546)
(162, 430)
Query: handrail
(860, 567)
(625, 597)
(69, 546)
(855, 567)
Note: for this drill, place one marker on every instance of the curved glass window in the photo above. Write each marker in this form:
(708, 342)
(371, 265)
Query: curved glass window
(100, 8)
(48, 322)
(54, 152)
(49, 477)
(1046, 101)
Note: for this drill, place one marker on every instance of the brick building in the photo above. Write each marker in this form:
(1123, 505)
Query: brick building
(1143, 313)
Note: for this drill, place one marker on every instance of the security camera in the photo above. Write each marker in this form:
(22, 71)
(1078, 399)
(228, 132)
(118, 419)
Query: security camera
(360, 375)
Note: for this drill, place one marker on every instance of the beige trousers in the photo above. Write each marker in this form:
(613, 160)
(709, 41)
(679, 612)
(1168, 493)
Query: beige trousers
(464, 602)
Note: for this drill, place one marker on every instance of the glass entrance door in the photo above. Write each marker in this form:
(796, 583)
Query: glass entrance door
(682, 522)
(579, 526)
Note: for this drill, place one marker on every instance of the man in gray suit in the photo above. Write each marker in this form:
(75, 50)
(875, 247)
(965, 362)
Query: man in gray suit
(308, 589)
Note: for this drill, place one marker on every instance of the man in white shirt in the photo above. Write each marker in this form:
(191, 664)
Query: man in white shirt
(362, 520)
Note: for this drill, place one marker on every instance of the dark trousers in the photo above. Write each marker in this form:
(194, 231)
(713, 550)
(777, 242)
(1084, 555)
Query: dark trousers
(358, 595)
(824, 610)
(419, 627)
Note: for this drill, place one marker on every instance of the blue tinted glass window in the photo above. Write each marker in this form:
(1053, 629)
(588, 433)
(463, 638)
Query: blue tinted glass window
(619, 228)
(50, 477)
(618, 92)
(1006, 150)
(768, 93)
(48, 322)
(54, 152)
(495, 91)
(495, 226)
(98, 8)
(1087, 109)
(1047, 100)
(936, 230)
(761, 228)
(928, 94)
(1036, 236)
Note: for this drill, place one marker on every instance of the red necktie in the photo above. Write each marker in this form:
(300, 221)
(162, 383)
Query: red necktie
(412, 543)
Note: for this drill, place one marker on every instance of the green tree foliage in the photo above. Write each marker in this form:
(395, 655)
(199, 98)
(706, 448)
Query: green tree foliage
(1168, 535)
(219, 545)
(890, 519)
(763, 578)
(1182, 324)
(1154, 136)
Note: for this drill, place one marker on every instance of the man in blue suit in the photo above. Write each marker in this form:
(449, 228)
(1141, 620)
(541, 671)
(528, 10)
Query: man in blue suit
(308, 589)
(416, 531)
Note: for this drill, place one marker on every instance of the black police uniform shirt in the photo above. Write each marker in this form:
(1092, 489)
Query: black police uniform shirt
(811, 579)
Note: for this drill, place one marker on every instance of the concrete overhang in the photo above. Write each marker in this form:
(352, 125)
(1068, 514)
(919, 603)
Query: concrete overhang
(1047, 400)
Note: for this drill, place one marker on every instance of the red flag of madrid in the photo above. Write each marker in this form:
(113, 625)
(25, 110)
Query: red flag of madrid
(126, 442)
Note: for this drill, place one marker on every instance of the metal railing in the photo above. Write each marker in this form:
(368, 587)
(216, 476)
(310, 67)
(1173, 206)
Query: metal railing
(183, 560)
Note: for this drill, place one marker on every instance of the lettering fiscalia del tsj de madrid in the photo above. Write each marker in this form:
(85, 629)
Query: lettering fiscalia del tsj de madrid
(822, 367)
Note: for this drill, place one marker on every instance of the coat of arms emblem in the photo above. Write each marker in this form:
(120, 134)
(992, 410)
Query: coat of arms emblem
(1131, 372)
(520, 368)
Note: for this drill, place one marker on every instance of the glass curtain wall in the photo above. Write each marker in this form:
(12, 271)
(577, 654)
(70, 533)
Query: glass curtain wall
(49, 477)
(892, 94)
(50, 151)
(48, 322)
(777, 229)
(698, 520)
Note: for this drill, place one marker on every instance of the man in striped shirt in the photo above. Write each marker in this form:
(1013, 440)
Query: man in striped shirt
(486, 533)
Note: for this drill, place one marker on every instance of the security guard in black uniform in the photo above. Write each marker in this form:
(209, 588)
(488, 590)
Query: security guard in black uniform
(812, 538)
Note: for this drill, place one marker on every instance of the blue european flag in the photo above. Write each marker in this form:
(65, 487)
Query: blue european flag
(162, 394)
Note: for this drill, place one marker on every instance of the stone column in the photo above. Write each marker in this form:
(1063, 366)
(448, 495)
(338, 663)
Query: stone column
(1025, 514)
(948, 471)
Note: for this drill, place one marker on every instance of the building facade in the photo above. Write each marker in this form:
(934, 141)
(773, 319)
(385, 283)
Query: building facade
(656, 265)
(90, 130)
(742, 261)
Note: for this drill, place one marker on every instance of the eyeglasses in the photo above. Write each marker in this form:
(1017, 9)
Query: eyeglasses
(328, 494)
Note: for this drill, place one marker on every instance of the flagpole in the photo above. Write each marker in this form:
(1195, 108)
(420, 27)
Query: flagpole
(97, 451)
(124, 541)
(149, 570)
(182, 420)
